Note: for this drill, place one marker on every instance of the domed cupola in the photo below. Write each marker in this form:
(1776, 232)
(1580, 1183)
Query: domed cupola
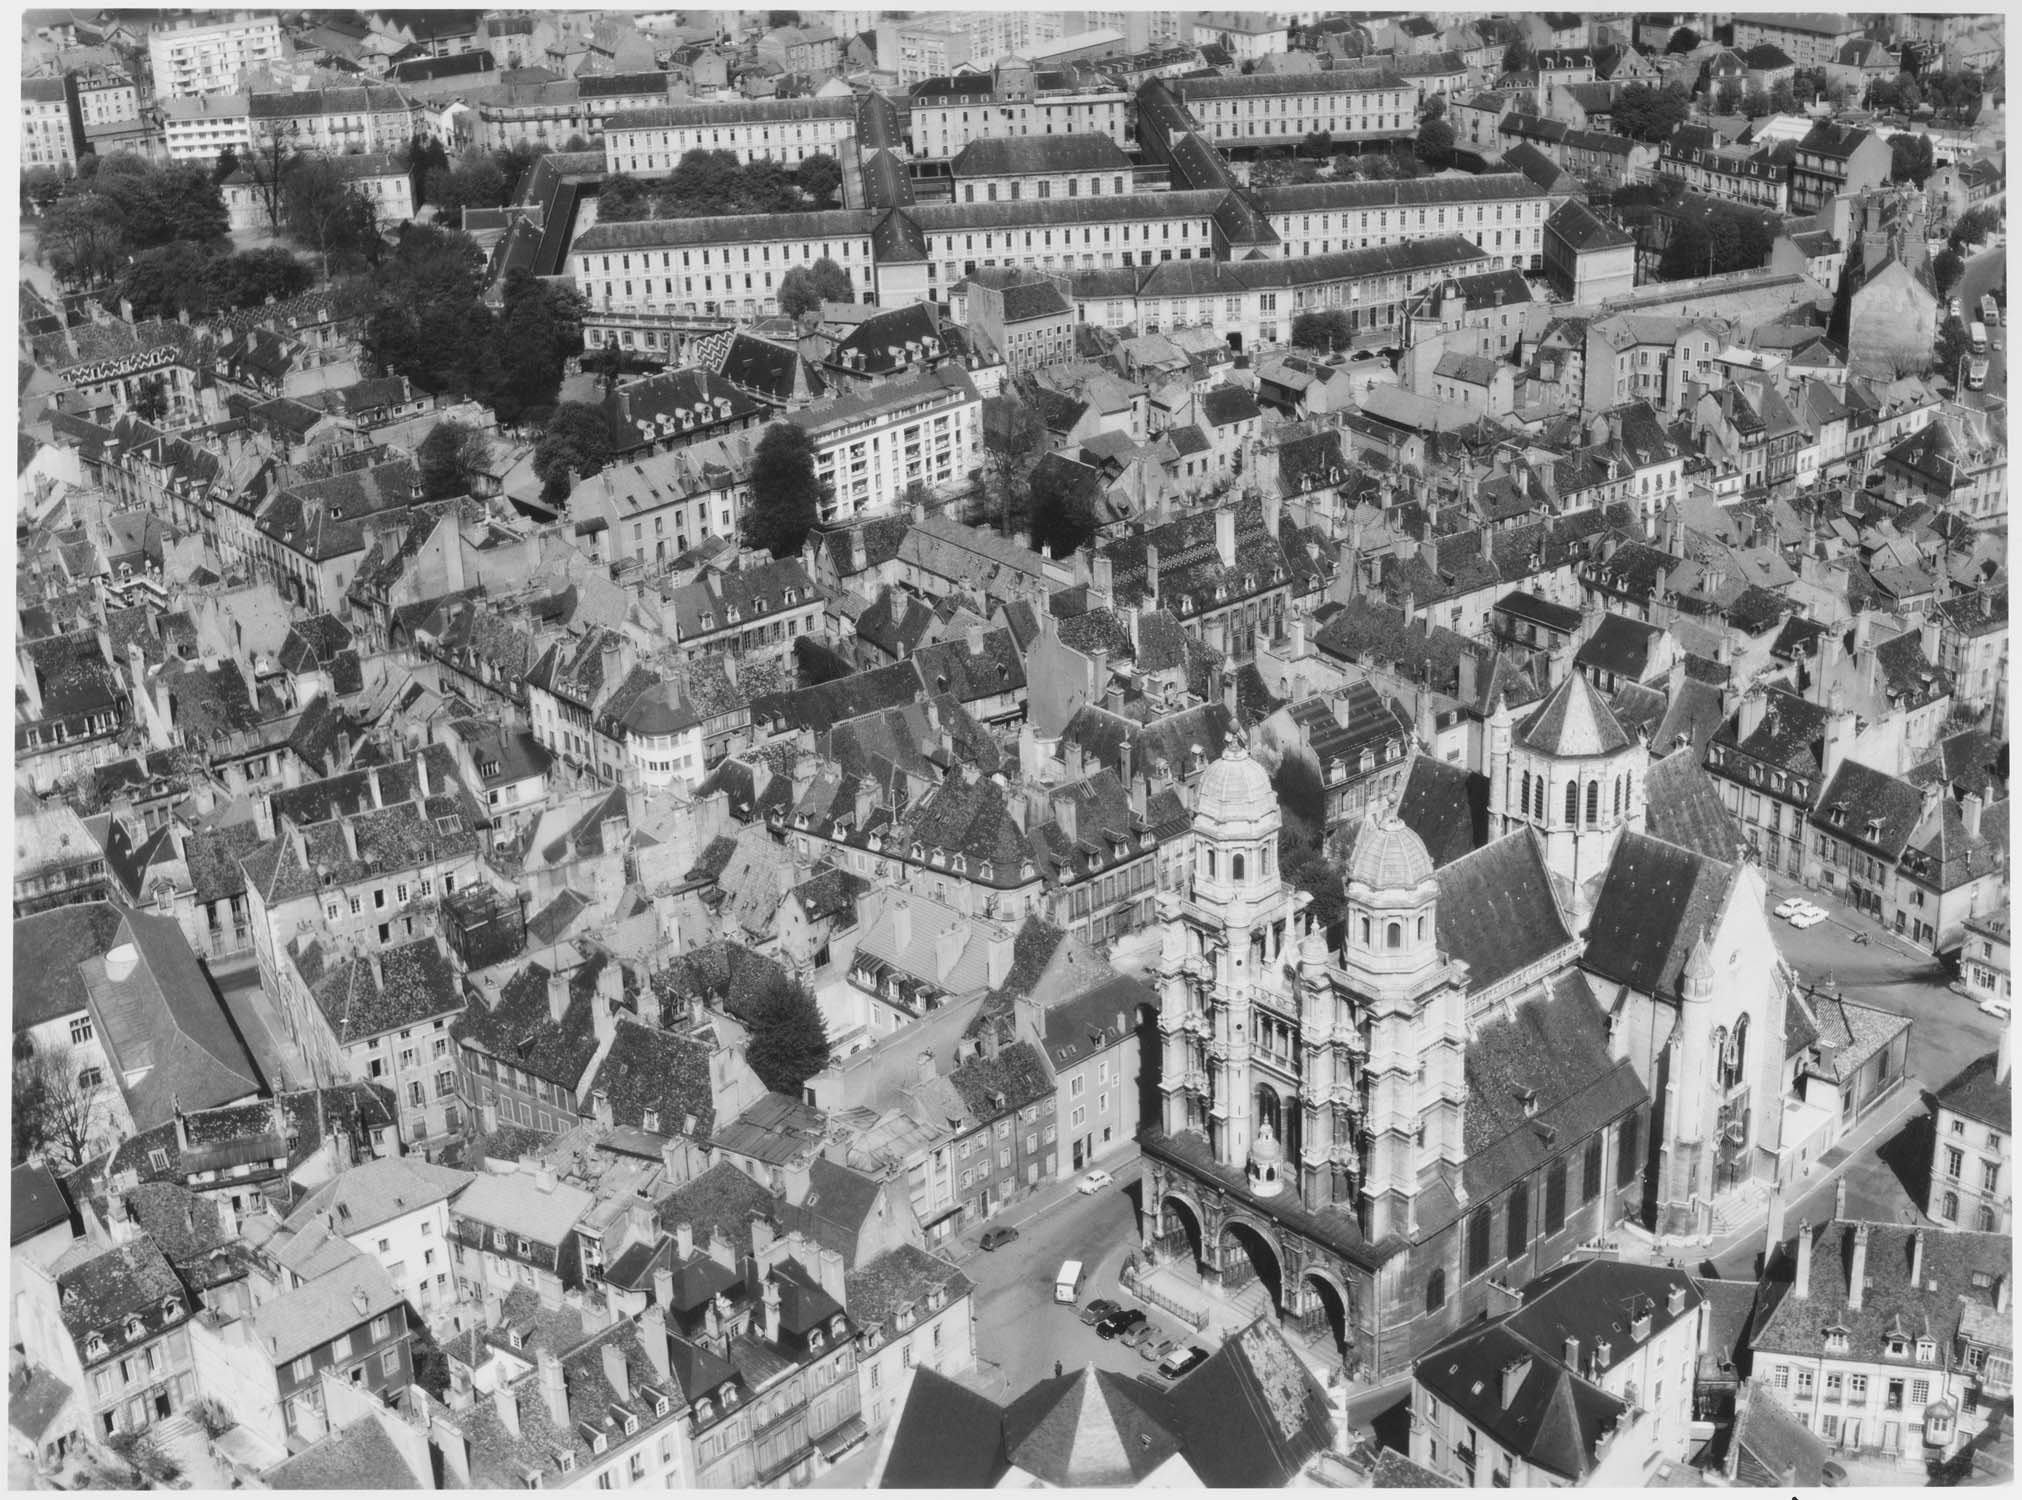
(1392, 897)
(1236, 823)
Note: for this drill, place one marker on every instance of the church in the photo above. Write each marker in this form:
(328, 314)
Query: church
(1569, 1022)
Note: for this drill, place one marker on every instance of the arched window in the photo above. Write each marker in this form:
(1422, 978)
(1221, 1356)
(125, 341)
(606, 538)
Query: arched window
(1213, 865)
(1593, 803)
(1236, 866)
(1393, 935)
(1949, 1207)
(1572, 803)
(1435, 1291)
(1621, 786)
(1525, 804)
(1365, 932)
(1421, 929)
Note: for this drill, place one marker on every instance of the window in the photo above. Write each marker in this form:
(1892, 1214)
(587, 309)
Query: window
(389, 1362)
(1955, 1162)
(1435, 1291)
(302, 1368)
(1478, 1240)
(80, 1030)
(1555, 1197)
(1517, 1238)
(1990, 1176)
(383, 1324)
(1590, 1177)
(1625, 1161)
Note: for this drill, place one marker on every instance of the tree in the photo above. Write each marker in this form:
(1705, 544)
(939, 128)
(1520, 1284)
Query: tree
(226, 164)
(703, 184)
(1911, 158)
(1434, 146)
(805, 288)
(1062, 514)
(425, 156)
(1975, 226)
(81, 238)
(63, 1107)
(430, 1364)
(169, 279)
(325, 212)
(476, 181)
(766, 187)
(1650, 114)
(1516, 57)
(252, 276)
(1952, 347)
(1319, 144)
(452, 456)
(820, 177)
(1782, 97)
(40, 187)
(575, 444)
(429, 322)
(540, 325)
(789, 1038)
(1683, 40)
(1011, 437)
(1946, 269)
(785, 492)
(1325, 332)
(623, 199)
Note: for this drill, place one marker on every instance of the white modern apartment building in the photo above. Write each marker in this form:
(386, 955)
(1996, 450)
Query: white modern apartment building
(871, 447)
(49, 129)
(1351, 105)
(199, 127)
(201, 58)
(1015, 100)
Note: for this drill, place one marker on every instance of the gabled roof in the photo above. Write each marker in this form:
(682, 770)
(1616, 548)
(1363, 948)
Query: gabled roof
(1573, 722)
(1654, 903)
(1496, 909)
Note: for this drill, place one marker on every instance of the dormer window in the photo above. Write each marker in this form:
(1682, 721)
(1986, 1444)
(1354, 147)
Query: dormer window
(134, 1327)
(814, 1338)
(1898, 1348)
(835, 1327)
(565, 1460)
(94, 1347)
(705, 1409)
(1836, 1340)
(1927, 1351)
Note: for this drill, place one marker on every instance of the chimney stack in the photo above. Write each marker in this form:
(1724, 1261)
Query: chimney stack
(1801, 1286)
(1857, 1273)
(653, 1334)
(1572, 1354)
(1969, 814)
(617, 1372)
(554, 1391)
(507, 1401)
(1225, 535)
(558, 996)
(1916, 1259)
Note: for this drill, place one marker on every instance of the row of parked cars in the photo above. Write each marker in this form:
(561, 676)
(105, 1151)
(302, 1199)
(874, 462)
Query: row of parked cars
(1131, 1327)
(1800, 913)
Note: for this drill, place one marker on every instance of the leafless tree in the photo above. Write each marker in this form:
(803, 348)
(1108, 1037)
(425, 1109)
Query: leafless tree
(60, 1102)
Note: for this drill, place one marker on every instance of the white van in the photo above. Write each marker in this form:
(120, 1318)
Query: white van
(1067, 1285)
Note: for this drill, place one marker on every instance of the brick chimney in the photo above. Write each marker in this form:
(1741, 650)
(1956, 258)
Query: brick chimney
(1801, 1284)
(558, 996)
(554, 1390)
(653, 1334)
(507, 1402)
(617, 1371)
(1916, 1259)
(1225, 535)
(1857, 1273)
(1969, 814)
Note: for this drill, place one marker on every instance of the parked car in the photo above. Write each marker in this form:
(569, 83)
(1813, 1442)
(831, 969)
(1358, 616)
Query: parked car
(1095, 1181)
(1180, 1361)
(1099, 1309)
(1789, 908)
(1003, 1234)
(1144, 1333)
(1807, 916)
(1151, 1351)
(1119, 1322)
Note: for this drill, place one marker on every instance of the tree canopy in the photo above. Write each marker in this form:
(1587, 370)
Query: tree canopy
(819, 176)
(576, 442)
(789, 1038)
(1434, 146)
(623, 199)
(1946, 269)
(326, 213)
(785, 491)
(97, 219)
(1650, 114)
(1061, 514)
(1324, 331)
(805, 288)
(1911, 158)
(451, 457)
(539, 328)
(1684, 39)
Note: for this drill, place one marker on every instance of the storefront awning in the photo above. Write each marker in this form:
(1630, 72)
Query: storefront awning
(835, 1444)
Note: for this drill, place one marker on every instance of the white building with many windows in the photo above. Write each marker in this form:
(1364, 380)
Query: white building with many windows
(1973, 1147)
(651, 142)
(872, 447)
(396, 1210)
(194, 58)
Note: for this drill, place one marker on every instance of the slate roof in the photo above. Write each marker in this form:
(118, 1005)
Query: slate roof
(1574, 721)
(1446, 805)
(1770, 1446)
(1980, 1092)
(1252, 1415)
(1682, 806)
(877, 1289)
(1654, 902)
(1869, 809)
(398, 987)
(36, 1202)
(1955, 1261)
(1090, 1428)
(522, 1031)
(1496, 909)
(647, 1068)
(1017, 1075)
(358, 1456)
(98, 1289)
(947, 1437)
(48, 947)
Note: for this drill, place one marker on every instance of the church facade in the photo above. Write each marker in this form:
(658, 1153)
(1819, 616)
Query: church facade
(1506, 1060)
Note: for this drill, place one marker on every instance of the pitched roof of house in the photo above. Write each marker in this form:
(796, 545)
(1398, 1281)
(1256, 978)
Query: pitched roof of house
(1496, 909)
(1981, 1091)
(1252, 1415)
(1090, 1428)
(947, 1437)
(1655, 901)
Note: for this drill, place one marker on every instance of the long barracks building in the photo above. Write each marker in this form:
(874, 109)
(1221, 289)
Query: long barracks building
(683, 270)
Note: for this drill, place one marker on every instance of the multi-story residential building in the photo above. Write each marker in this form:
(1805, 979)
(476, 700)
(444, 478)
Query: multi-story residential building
(1028, 321)
(1610, 1347)
(1973, 645)
(753, 611)
(1094, 1044)
(360, 857)
(1859, 831)
(1249, 36)
(52, 131)
(70, 708)
(1808, 40)
(1986, 966)
(1954, 867)
(1350, 106)
(57, 861)
(113, 1323)
(382, 1017)
(911, 1310)
(335, 122)
(105, 96)
(652, 141)
(517, 1229)
(603, 1413)
(1013, 99)
(347, 1322)
(198, 128)
(189, 56)
(1835, 159)
(1958, 462)
(873, 447)
(396, 1210)
(716, 267)
(1886, 1335)
(1770, 759)
(543, 1088)
(1694, 156)
(1226, 574)
(1972, 1183)
(578, 694)
(379, 178)
(1587, 259)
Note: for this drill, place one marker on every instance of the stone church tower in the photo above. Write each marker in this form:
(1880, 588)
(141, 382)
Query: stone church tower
(1573, 773)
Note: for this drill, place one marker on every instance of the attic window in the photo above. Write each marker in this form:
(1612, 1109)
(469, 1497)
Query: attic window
(134, 1327)
(814, 1338)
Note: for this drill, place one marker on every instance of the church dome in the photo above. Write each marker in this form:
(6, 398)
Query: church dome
(1388, 856)
(1235, 789)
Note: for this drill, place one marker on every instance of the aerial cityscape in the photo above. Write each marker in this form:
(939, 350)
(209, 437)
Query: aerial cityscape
(934, 750)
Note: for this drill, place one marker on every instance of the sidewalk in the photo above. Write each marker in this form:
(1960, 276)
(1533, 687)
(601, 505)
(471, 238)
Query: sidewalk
(1018, 1214)
(1838, 913)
